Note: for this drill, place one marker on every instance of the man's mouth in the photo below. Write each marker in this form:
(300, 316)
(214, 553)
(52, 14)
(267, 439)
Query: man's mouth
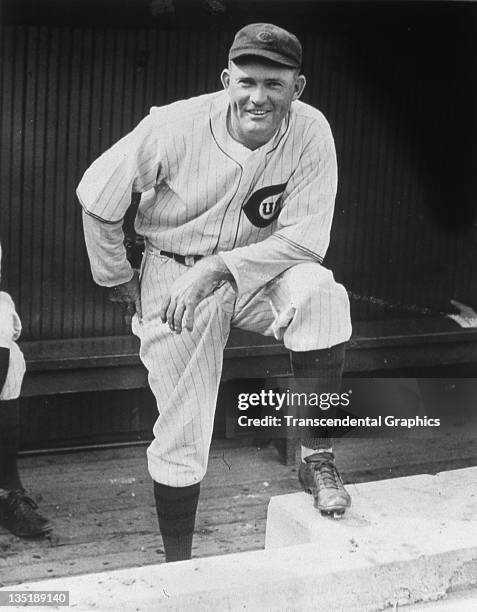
(257, 112)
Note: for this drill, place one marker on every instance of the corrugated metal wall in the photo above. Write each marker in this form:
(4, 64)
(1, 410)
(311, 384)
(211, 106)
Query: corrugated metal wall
(66, 94)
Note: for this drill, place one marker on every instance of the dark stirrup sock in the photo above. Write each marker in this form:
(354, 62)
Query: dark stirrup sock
(326, 366)
(9, 442)
(176, 509)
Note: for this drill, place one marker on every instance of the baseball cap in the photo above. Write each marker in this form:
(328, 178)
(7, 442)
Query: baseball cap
(268, 41)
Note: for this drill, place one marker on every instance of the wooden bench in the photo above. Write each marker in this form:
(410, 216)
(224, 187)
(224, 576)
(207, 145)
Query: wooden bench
(107, 363)
(112, 363)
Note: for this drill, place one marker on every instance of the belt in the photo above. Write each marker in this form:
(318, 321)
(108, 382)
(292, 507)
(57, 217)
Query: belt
(185, 260)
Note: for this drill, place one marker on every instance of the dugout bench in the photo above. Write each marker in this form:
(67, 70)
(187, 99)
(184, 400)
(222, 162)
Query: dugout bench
(112, 363)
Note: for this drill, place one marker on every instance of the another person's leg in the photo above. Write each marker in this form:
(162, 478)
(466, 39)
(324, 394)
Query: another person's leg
(184, 374)
(18, 512)
(9, 432)
(306, 308)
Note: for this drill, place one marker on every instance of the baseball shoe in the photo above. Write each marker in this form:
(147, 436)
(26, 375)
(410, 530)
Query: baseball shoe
(18, 514)
(319, 476)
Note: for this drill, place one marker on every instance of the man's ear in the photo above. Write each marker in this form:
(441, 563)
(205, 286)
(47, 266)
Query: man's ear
(225, 78)
(300, 83)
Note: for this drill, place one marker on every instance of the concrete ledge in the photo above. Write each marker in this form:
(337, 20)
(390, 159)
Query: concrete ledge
(463, 601)
(408, 513)
(293, 579)
(361, 563)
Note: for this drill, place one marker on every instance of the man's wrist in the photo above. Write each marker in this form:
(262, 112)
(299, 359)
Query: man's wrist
(220, 268)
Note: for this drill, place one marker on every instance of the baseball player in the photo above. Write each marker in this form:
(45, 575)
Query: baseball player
(17, 511)
(238, 191)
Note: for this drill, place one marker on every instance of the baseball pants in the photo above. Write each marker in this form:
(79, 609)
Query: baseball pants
(304, 306)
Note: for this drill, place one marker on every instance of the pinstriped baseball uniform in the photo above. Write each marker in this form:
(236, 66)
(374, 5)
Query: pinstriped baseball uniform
(10, 330)
(267, 212)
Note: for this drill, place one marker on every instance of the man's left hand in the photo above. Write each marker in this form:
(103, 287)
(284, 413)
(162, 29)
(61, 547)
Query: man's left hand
(186, 293)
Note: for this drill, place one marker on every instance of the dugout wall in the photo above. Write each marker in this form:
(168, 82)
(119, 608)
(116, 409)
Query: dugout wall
(397, 83)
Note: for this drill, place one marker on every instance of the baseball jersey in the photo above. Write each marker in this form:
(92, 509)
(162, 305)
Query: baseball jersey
(204, 193)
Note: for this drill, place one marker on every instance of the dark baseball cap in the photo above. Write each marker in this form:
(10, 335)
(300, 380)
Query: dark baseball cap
(268, 41)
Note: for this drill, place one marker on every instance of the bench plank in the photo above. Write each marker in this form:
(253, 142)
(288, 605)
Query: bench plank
(107, 363)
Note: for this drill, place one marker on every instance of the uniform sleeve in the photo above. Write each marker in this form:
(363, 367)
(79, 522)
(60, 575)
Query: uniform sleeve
(7, 320)
(106, 252)
(16, 371)
(304, 223)
(105, 191)
(10, 329)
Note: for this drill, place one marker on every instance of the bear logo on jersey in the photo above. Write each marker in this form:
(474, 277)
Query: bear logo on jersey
(260, 209)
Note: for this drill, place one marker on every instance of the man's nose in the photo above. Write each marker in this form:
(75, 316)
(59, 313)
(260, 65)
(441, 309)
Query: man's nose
(258, 96)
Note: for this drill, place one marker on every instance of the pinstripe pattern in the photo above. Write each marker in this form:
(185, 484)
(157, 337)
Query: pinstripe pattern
(184, 370)
(304, 306)
(199, 197)
(198, 179)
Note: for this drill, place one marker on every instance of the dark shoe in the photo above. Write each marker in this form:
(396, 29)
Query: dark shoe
(18, 514)
(319, 476)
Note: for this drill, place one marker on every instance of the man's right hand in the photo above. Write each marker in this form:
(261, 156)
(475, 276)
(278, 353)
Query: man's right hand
(129, 295)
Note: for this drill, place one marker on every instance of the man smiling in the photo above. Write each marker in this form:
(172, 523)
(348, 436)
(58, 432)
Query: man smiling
(238, 192)
(260, 98)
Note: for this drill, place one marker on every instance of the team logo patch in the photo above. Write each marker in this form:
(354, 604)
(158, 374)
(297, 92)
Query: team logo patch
(262, 208)
(265, 37)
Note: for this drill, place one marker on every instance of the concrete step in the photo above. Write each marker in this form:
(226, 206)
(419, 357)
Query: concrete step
(405, 541)
(397, 513)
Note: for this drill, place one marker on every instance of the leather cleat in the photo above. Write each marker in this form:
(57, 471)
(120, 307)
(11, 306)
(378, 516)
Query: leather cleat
(319, 476)
(18, 514)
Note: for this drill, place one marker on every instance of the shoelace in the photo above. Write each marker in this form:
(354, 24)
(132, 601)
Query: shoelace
(327, 472)
(18, 497)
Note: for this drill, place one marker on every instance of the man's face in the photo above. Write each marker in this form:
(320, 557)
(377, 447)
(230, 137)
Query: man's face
(260, 97)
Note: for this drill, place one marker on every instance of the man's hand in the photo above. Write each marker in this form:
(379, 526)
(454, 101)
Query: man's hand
(129, 295)
(177, 308)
